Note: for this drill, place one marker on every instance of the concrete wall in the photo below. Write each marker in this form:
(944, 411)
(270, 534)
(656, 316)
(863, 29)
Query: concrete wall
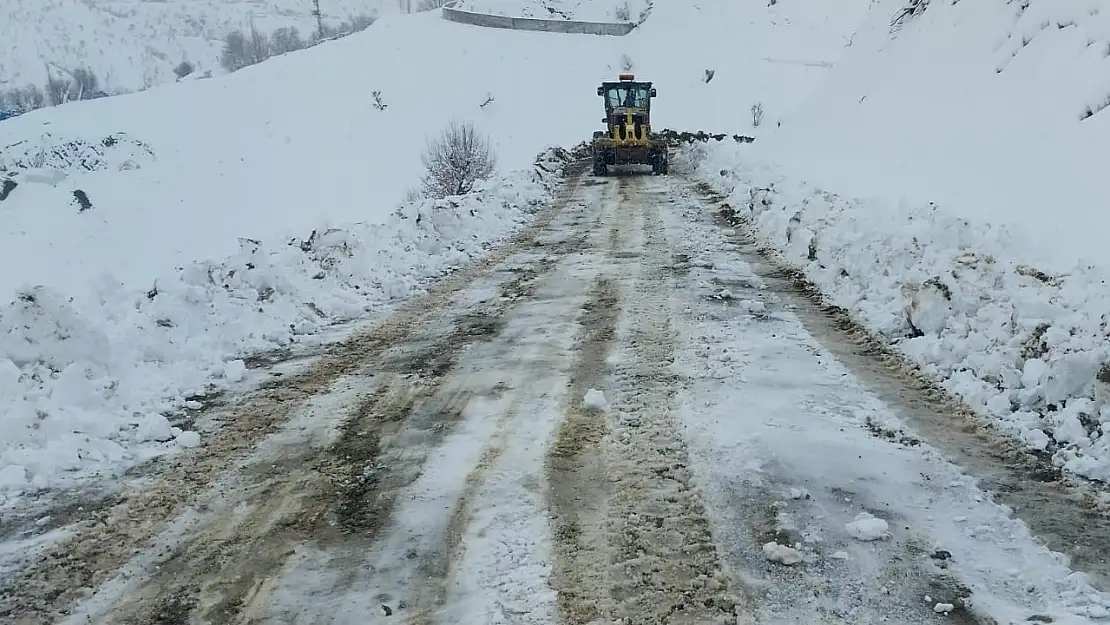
(615, 29)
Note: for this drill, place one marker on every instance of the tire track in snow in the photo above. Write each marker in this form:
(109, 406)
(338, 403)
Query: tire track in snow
(345, 492)
(576, 472)
(665, 562)
(436, 571)
(404, 572)
(754, 480)
(806, 422)
(633, 542)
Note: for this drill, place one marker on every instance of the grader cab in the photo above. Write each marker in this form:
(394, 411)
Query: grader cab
(628, 139)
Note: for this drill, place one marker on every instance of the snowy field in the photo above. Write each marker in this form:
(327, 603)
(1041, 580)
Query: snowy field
(944, 186)
(132, 44)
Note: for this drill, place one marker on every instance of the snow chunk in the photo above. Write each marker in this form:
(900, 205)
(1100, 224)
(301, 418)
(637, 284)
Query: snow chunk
(754, 307)
(943, 608)
(798, 493)
(595, 400)
(154, 427)
(1033, 372)
(1036, 438)
(235, 370)
(188, 439)
(867, 527)
(781, 554)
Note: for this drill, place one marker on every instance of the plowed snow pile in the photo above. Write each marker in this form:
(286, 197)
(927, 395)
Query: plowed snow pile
(946, 186)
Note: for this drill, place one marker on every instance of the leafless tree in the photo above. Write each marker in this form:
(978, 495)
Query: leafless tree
(319, 19)
(183, 69)
(85, 84)
(258, 46)
(235, 56)
(287, 39)
(58, 88)
(456, 160)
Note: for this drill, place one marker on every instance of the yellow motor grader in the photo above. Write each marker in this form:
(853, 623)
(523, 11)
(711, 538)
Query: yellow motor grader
(628, 139)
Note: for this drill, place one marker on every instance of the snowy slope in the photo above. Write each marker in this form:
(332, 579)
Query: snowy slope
(979, 106)
(131, 44)
(945, 186)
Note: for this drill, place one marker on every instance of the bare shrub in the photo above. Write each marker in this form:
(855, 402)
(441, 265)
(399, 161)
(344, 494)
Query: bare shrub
(626, 63)
(27, 99)
(234, 56)
(258, 46)
(183, 69)
(757, 114)
(414, 195)
(430, 5)
(85, 84)
(910, 10)
(286, 39)
(456, 160)
(623, 13)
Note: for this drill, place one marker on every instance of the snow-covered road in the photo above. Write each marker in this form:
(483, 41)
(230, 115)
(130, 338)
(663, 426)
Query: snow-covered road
(620, 417)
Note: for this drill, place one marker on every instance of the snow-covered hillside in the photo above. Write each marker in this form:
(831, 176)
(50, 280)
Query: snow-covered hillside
(946, 184)
(189, 175)
(132, 44)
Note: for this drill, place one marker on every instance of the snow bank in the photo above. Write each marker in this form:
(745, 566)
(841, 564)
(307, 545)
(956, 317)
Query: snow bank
(85, 388)
(955, 296)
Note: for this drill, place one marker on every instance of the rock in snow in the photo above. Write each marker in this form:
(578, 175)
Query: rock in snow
(781, 554)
